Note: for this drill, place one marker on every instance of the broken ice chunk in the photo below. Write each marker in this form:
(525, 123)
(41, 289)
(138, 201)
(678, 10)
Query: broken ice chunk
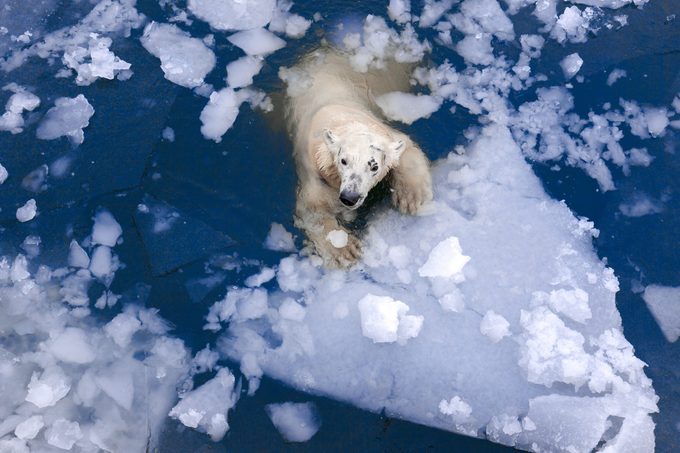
(265, 275)
(71, 346)
(184, 60)
(67, 118)
(63, 434)
(48, 388)
(494, 326)
(27, 211)
(206, 407)
(407, 107)
(233, 15)
(105, 230)
(458, 409)
(445, 260)
(122, 328)
(102, 62)
(3, 174)
(297, 422)
(384, 320)
(337, 238)
(219, 114)
(257, 41)
(279, 239)
(571, 64)
(240, 72)
(101, 264)
(30, 427)
(664, 303)
(77, 256)
(12, 120)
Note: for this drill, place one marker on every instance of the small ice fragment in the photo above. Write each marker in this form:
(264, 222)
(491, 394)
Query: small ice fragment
(184, 60)
(63, 434)
(571, 64)
(30, 427)
(67, 118)
(257, 41)
(407, 107)
(265, 275)
(240, 72)
(297, 422)
(3, 174)
(219, 114)
(233, 15)
(48, 388)
(207, 406)
(494, 326)
(27, 211)
(657, 120)
(105, 230)
(122, 328)
(168, 134)
(279, 239)
(101, 264)
(292, 311)
(338, 238)
(663, 302)
(458, 409)
(71, 346)
(399, 11)
(615, 75)
(384, 320)
(445, 260)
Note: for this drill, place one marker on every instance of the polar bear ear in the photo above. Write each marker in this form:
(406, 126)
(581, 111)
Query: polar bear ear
(332, 141)
(394, 153)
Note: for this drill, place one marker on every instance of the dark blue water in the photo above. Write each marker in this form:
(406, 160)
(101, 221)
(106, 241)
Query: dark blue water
(228, 194)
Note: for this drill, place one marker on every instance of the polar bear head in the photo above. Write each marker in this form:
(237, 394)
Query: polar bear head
(357, 158)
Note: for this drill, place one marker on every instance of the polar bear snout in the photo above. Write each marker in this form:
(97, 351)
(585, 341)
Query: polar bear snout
(349, 198)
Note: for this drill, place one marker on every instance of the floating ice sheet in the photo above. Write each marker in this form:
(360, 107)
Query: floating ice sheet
(505, 342)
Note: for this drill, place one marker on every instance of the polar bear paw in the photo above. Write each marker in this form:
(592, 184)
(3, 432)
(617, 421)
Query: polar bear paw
(339, 257)
(409, 198)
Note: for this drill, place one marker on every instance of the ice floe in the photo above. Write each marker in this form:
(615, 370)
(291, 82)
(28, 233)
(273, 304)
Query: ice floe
(525, 300)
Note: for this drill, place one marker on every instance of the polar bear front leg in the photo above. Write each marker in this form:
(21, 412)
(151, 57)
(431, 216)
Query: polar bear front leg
(314, 217)
(411, 180)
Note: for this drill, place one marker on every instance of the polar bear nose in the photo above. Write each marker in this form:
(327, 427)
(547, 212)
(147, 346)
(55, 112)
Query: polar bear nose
(349, 198)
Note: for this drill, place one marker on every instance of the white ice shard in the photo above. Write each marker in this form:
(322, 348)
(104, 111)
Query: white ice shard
(184, 60)
(67, 118)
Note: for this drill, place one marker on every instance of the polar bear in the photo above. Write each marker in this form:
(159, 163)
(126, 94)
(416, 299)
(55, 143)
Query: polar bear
(343, 147)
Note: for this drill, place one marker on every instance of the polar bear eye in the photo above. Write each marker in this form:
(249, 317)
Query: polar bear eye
(374, 166)
(343, 161)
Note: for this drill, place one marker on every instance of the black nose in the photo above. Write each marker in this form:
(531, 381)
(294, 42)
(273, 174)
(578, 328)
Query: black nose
(349, 198)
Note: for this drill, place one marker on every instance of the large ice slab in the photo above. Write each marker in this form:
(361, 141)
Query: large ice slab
(509, 338)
